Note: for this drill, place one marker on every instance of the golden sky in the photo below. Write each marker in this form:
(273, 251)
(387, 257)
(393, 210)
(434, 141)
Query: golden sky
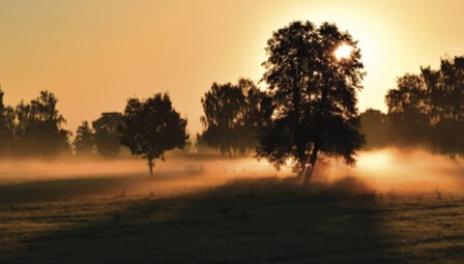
(94, 54)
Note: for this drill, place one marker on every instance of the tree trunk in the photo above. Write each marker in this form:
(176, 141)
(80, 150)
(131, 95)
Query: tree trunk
(150, 164)
(310, 164)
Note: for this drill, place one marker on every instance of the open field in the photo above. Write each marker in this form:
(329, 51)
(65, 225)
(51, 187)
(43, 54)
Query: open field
(129, 218)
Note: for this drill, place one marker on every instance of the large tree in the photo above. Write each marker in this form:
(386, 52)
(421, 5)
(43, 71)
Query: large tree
(313, 95)
(233, 114)
(84, 143)
(107, 134)
(152, 127)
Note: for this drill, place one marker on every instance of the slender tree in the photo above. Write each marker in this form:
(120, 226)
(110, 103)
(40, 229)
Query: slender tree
(313, 95)
(84, 143)
(152, 127)
(6, 126)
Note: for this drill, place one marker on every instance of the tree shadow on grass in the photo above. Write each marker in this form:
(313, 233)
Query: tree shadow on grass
(59, 190)
(253, 221)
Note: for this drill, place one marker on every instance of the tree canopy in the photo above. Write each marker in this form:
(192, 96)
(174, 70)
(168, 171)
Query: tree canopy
(152, 127)
(427, 109)
(84, 142)
(233, 114)
(313, 96)
(107, 134)
(376, 127)
(39, 129)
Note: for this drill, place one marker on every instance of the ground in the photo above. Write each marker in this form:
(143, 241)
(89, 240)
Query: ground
(266, 220)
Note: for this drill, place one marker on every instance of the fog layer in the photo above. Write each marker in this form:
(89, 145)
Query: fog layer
(382, 171)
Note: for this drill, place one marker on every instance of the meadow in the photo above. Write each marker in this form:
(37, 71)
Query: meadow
(219, 213)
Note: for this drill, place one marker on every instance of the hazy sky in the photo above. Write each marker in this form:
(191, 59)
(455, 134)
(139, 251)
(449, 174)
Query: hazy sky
(94, 54)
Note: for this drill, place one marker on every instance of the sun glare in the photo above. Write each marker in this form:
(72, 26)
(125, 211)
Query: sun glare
(375, 160)
(343, 51)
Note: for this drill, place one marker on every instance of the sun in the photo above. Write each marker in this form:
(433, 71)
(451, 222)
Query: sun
(343, 51)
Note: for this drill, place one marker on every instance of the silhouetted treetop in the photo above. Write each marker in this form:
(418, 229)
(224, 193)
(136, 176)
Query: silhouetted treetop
(428, 109)
(376, 127)
(107, 133)
(233, 114)
(302, 55)
(151, 127)
(84, 142)
(6, 126)
(313, 95)
(39, 129)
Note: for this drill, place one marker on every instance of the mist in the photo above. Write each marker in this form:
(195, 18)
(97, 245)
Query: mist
(384, 171)
(399, 171)
(103, 177)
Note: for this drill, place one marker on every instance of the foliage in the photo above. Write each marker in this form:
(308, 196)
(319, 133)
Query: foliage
(151, 127)
(107, 134)
(38, 131)
(233, 114)
(6, 126)
(376, 127)
(407, 112)
(428, 110)
(84, 142)
(313, 96)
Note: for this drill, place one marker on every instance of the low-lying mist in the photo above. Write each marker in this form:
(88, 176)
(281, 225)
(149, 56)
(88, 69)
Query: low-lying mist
(38, 170)
(400, 171)
(29, 180)
(382, 171)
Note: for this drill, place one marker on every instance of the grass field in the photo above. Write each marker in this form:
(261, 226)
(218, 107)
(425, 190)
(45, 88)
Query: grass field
(266, 220)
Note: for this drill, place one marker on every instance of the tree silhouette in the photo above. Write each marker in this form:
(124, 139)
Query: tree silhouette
(407, 111)
(233, 115)
(376, 127)
(445, 89)
(428, 110)
(84, 143)
(151, 127)
(6, 126)
(38, 131)
(107, 134)
(313, 95)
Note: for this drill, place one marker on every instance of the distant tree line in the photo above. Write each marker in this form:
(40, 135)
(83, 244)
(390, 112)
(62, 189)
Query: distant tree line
(424, 110)
(35, 130)
(147, 128)
(102, 138)
(307, 112)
